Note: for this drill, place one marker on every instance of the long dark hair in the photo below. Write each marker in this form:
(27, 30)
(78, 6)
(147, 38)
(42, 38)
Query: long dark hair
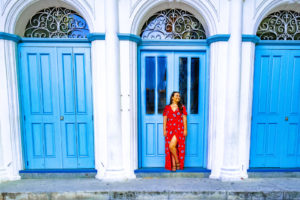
(179, 103)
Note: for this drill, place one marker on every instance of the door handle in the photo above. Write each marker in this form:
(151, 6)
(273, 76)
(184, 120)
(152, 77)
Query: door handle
(62, 118)
(286, 119)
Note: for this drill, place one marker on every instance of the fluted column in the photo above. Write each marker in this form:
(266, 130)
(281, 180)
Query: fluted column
(230, 168)
(114, 166)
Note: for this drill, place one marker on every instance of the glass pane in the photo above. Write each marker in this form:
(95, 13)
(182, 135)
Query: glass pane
(183, 79)
(194, 85)
(57, 22)
(161, 83)
(150, 85)
(173, 24)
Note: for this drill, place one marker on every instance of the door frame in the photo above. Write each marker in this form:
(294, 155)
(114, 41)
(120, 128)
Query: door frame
(173, 45)
(46, 42)
(269, 45)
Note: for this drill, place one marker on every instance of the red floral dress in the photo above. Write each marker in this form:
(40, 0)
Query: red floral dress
(174, 127)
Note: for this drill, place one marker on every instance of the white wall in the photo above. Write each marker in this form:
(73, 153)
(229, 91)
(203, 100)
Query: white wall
(214, 15)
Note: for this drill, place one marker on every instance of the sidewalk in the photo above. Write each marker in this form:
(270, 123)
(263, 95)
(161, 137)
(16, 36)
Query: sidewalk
(151, 188)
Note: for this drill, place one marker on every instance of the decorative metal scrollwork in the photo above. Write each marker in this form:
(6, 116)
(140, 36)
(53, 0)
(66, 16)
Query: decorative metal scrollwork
(281, 25)
(173, 24)
(56, 23)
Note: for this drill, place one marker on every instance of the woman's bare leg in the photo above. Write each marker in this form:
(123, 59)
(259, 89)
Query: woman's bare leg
(173, 149)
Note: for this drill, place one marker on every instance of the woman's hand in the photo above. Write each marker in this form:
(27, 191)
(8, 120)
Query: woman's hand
(165, 133)
(185, 133)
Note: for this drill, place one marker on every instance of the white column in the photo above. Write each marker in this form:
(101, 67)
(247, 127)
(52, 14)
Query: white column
(10, 137)
(230, 168)
(217, 120)
(128, 78)
(248, 52)
(114, 165)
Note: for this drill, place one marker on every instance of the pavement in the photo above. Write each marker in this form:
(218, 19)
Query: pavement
(151, 188)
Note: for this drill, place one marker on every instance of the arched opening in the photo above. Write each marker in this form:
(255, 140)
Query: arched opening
(56, 91)
(166, 64)
(276, 107)
(56, 22)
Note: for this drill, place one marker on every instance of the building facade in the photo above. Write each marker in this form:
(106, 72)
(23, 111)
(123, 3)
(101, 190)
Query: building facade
(83, 84)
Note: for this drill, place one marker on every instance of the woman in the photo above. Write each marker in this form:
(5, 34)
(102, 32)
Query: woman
(175, 131)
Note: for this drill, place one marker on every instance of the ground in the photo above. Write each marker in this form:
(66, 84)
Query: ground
(151, 188)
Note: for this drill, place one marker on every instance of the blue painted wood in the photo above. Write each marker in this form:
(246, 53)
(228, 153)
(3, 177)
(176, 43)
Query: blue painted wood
(57, 107)
(151, 134)
(218, 38)
(276, 108)
(9, 36)
(131, 37)
(250, 38)
(39, 89)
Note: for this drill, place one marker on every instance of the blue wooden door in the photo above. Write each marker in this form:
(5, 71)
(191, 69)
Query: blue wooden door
(56, 100)
(163, 72)
(275, 118)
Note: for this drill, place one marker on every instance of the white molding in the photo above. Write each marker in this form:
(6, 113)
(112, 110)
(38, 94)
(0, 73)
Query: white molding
(13, 161)
(268, 6)
(204, 11)
(21, 11)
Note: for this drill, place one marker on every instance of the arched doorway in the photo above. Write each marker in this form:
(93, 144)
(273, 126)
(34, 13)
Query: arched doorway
(172, 57)
(275, 132)
(56, 91)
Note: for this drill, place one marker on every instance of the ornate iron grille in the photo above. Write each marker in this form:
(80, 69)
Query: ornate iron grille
(56, 23)
(173, 24)
(281, 25)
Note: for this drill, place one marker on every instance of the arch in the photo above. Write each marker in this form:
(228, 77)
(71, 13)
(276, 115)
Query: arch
(22, 11)
(273, 6)
(281, 25)
(173, 24)
(206, 15)
(56, 22)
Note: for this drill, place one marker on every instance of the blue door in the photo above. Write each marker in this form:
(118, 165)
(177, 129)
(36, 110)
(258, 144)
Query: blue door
(56, 99)
(275, 132)
(163, 72)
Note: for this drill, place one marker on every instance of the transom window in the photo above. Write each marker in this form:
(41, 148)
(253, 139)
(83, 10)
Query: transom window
(56, 22)
(281, 25)
(173, 24)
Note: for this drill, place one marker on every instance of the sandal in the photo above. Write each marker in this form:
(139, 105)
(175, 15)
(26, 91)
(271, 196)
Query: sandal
(177, 165)
(174, 169)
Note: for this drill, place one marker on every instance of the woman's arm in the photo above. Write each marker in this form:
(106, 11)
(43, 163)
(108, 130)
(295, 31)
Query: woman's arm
(165, 125)
(185, 125)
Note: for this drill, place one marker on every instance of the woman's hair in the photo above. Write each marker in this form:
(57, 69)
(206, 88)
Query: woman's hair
(179, 103)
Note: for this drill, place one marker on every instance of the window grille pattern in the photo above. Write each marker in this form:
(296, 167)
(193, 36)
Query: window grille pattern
(173, 24)
(56, 22)
(281, 25)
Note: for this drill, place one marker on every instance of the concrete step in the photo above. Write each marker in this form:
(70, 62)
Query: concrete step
(60, 174)
(154, 188)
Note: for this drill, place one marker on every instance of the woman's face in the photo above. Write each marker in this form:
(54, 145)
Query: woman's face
(176, 98)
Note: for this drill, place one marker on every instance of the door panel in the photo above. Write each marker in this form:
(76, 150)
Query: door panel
(40, 112)
(57, 105)
(155, 85)
(162, 73)
(76, 107)
(291, 153)
(190, 69)
(275, 124)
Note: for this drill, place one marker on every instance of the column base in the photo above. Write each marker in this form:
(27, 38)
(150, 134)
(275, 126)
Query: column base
(119, 175)
(231, 174)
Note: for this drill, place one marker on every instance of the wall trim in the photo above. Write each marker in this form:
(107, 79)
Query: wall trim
(96, 36)
(173, 42)
(250, 38)
(131, 37)
(279, 42)
(218, 38)
(9, 36)
(56, 40)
